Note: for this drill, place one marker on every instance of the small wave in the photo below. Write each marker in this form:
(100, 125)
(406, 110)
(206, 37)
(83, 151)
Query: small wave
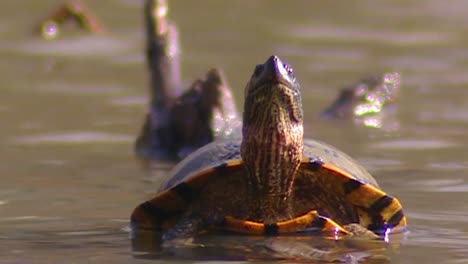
(74, 137)
(413, 144)
(62, 87)
(134, 100)
(370, 35)
(84, 45)
(28, 218)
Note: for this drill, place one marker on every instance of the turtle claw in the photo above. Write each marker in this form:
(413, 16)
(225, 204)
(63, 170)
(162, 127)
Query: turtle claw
(358, 231)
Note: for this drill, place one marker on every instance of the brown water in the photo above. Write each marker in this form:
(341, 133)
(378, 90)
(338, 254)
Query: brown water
(70, 110)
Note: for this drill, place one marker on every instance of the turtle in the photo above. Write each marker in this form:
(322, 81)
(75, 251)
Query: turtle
(180, 121)
(365, 100)
(272, 181)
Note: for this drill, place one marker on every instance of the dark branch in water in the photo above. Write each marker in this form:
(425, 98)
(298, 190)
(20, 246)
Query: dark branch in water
(179, 122)
(162, 54)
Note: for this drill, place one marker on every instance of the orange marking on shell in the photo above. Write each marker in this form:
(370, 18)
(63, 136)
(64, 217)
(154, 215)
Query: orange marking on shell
(289, 226)
(364, 197)
(243, 226)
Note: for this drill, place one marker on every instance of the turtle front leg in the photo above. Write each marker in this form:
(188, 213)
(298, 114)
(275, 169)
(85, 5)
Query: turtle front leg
(186, 230)
(182, 234)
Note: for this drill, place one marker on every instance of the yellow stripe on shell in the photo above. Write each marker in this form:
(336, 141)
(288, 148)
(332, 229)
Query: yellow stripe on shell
(364, 197)
(172, 203)
(297, 224)
(243, 226)
(305, 221)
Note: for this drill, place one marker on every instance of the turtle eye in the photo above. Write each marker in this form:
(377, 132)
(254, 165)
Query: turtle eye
(258, 70)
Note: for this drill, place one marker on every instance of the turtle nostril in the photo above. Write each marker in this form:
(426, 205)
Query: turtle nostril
(288, 69)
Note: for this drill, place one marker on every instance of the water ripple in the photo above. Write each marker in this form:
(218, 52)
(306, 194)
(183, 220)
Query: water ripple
(413, 144)
(63, 87)
(447, 166)
(74, 137)
(130, 100)
(370, 35)
(84, 45)
(453, 185)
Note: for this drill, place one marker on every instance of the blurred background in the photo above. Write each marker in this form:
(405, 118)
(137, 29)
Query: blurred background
(71, 108)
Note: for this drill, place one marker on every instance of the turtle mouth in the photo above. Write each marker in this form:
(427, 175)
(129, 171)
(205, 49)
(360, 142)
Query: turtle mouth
(273, 73)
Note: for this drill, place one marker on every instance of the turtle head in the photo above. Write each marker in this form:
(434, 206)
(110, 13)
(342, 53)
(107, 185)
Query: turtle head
(273, 82)
(272, 93)
(272, 136)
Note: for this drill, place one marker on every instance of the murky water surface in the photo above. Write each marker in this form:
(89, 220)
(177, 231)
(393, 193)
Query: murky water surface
(71, 109)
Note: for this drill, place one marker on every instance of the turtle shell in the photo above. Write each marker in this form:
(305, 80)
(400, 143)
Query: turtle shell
(209, 184)
(217, 154)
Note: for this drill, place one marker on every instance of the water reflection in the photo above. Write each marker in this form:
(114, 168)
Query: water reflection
(230, 247)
